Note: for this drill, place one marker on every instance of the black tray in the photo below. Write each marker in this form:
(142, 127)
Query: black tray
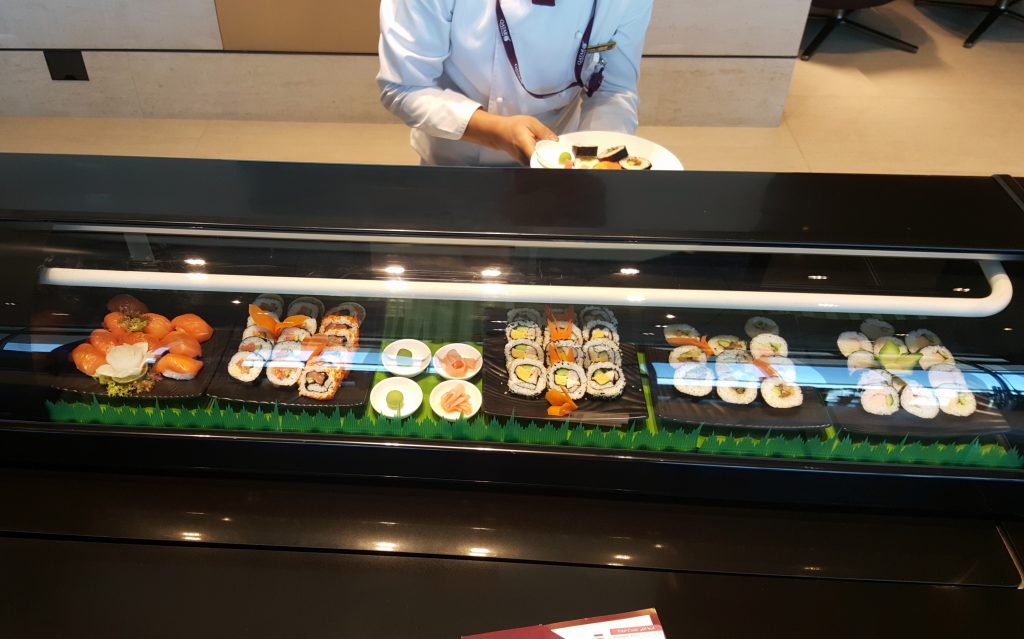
(498, 402)
(844, 405)
(671, 405)
(72, 380)
(354, 391)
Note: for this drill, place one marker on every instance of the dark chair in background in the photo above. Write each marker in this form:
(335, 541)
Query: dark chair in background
(998, 10)
(841, 10)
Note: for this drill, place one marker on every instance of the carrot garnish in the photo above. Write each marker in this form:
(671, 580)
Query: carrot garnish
(765, 367)
(266, 321)
(701, 343)
(561, 403)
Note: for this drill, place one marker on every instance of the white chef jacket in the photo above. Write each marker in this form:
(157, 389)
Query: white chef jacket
(441, 60)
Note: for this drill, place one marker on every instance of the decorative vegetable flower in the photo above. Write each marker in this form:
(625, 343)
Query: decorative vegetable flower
(126, 362)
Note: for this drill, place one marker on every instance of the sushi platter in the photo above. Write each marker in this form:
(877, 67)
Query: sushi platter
(310, 358)
(910, 384)
(560, 365)
(138, 353)
(603, 150)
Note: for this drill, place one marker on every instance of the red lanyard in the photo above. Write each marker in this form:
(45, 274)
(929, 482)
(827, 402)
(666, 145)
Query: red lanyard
(513, 59)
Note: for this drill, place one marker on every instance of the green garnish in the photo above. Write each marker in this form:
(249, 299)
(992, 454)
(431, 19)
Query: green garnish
(394, 400)
(118, 389)
(404, 357)
(134, 324)
(565, 158)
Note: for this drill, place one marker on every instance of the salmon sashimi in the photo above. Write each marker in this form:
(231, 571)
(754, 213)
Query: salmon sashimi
(157, 325)
(139, 338)
(127, 304)
(179, 367)
(88, 358)
(182, 343)
(103, 340)
(194, 326)
(114, 322)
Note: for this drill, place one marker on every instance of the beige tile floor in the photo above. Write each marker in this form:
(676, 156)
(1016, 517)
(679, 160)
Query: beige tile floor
(856, 107)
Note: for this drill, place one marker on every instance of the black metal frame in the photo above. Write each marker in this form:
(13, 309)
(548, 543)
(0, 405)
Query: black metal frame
(998, 10)
(842, 17)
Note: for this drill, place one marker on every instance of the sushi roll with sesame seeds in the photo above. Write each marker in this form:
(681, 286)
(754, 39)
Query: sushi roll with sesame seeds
(527, 377)
(605, 381)
(685, 354)
(599, 351)
(850, 342)
(257, 331)
(769, 345)
(569, 329)
(737, 392)
(260, 346)
(524, 329)
(676, 332)
(569, 377)
(591, 313)
(308, 306)
(600, 329)
(524, 314)
(720, 343)
(284, 373)
(520, 349)
(694, 379)
(270, 303)
(246, 366)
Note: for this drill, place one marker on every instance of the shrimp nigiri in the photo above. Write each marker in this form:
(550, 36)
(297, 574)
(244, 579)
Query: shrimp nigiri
(88, 358)
(175, 366)
(193, 325)
(157, 325)
(181, 343)
(103, 340)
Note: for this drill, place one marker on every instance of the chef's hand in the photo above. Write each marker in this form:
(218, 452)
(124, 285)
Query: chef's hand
(516, 135)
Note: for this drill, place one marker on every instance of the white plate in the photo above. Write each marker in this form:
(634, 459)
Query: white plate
(420, 355)
(466, 351)
(412, 396)
(661, 158)
(475, 399)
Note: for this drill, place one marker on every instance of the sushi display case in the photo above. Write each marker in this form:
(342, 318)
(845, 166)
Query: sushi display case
(689, 335)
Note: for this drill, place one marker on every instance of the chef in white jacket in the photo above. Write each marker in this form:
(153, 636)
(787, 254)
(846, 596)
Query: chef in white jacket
(481, 81)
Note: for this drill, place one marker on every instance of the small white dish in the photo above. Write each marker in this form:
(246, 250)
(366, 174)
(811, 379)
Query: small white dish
(466, 351)
(420, 358)
(475, 399)
(412, 396)
(550, 152)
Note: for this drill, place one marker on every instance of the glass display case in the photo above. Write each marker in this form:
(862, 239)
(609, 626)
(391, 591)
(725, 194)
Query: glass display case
(807, 338)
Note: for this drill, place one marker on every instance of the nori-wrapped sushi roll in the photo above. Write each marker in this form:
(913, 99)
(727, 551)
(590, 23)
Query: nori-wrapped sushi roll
(605, 381)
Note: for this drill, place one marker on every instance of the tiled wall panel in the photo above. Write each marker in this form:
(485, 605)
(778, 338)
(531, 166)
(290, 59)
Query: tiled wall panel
(348, 26)
(109, 24)
(727, 27)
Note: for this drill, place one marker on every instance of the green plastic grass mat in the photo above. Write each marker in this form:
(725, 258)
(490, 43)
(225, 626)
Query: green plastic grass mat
(214, 416)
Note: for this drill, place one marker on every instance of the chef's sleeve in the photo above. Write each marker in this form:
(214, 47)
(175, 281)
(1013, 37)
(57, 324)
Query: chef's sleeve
(614, 106)
(414, 44)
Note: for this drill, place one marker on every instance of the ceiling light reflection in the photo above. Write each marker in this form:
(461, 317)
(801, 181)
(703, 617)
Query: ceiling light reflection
(195, 261)
(480, 552)
(491, 272)
(961, 289)
(817, 277)
(386, 546)
(670, 316)
(395, 269)
(629, 271)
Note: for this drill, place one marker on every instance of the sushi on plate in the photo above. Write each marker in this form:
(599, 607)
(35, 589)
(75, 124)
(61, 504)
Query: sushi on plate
(524, 314)
(875, 328)
(955, 401)
(720, 343)
(600, 329)
(180, 367)
(527, 377)
(694, 379)
(880, 400)
(919, 400)
(769, 345)
(599, 351)
(737, 392)
(683, 354)
(246, 366)
(849, 342)
(605, 381)
(308, 306)
(934, 355)
(591, 313)
(568, 376)
(758, 325)
(524, 329)
(778, 393)
(920, 338)
(519, 349)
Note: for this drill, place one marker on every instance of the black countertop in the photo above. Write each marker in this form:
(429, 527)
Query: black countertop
(974, 214)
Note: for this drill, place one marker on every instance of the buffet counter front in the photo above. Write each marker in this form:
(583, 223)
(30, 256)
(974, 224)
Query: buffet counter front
(781, 338)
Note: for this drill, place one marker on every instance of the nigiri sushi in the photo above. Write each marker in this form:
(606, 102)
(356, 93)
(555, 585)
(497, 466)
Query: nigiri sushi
(127, 304)
(182, 343)
(157, 325)
(179, 367)
(103, 339)
(88, 358)
(150, 341)
(194, 326)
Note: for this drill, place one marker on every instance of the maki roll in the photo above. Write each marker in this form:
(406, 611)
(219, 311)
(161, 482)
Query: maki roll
(675, 332)
(861, 359)
(527, 377)
(875, 328)
(563, 330)
(257, 331)
(946, 375)
(349, 309)
(563, 351)
(339, 321)
(599, 351)
(736, 364)
(290, 350)
(320, 379)
(614, 154)
(284, 373)
(600, 329)
(778, 393)
(920, 338)
(591, 313)
(569, 377)
(694, 379)
(783, 367)
(958, 402)
(519, 349)
(758, 325)
(605, 381)
(880, 400)
(934, 355)
(737, 392)
(308, 306)
(584, 151)
(245, 366)
(920, 401)
(686, 354)
(528, 314)
(346, 338)
(293, 334)
(524, 329)
(874, 378)
(635, 163)
(260, 346)
(768, 345)
(270, 303)
(850, 342)
(720, 343)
